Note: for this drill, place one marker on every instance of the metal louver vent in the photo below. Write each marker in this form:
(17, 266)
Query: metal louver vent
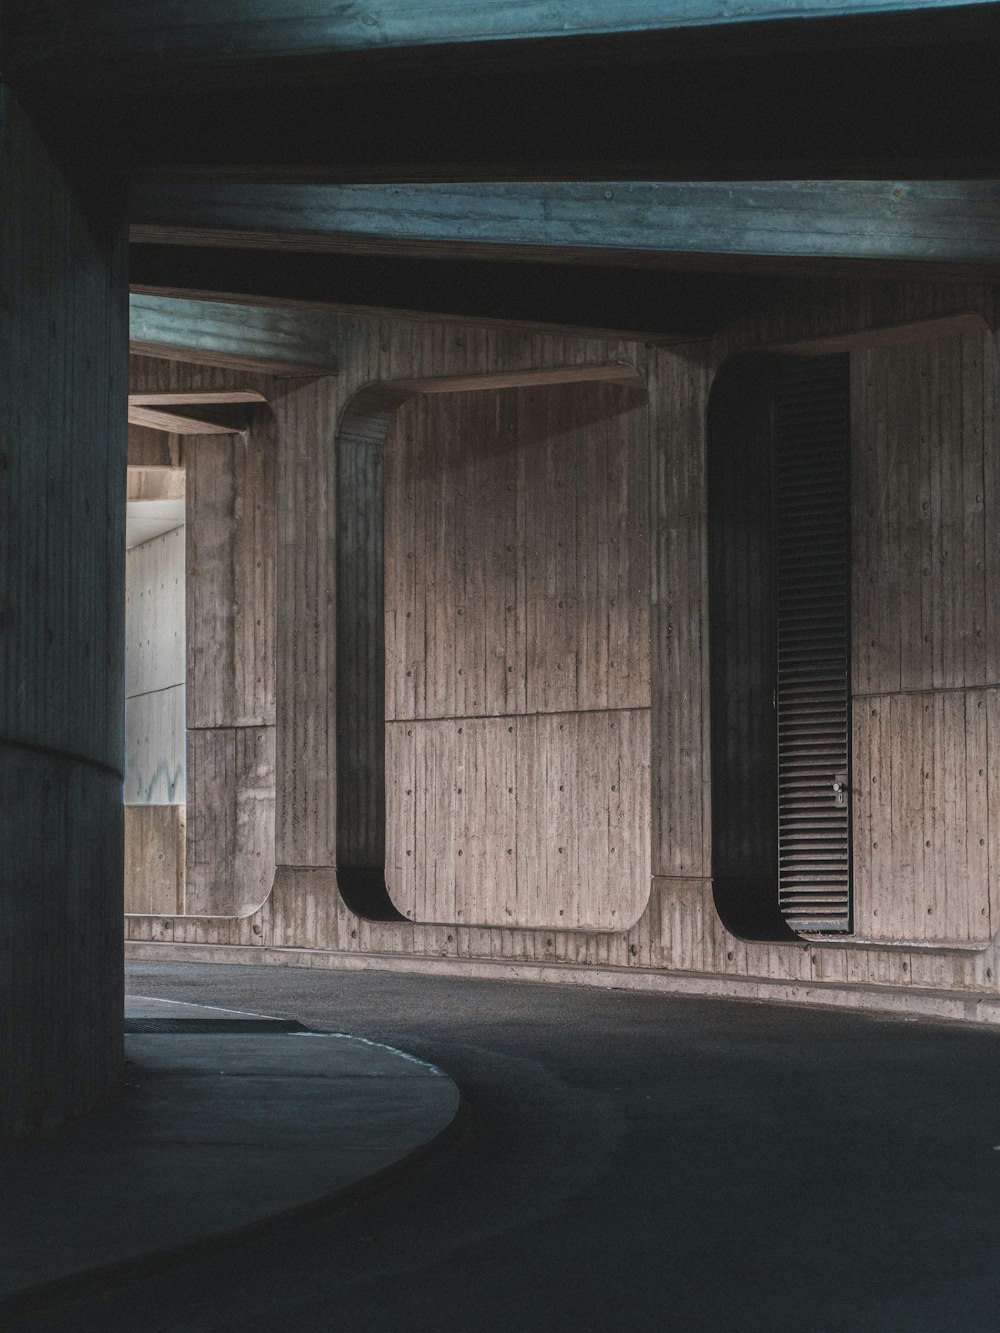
(811, 424)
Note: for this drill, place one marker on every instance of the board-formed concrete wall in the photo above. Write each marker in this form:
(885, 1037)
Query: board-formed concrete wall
(63, 339)
(925, 372)
(227, 603)
(517, 657)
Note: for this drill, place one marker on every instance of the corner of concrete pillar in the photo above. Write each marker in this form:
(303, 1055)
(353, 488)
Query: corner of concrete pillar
(63, 362)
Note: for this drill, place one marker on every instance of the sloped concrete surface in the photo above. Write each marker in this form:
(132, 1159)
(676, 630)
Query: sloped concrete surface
(225, 1119)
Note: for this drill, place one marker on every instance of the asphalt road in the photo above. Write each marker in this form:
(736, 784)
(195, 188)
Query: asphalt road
(620, 1162)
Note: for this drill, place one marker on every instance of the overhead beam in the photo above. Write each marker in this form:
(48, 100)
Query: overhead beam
(61, 40)
(195, 398)
(253, 337)
(950, 223)
(204, 421)
(890, 335)
(619, 372)
(226, 333)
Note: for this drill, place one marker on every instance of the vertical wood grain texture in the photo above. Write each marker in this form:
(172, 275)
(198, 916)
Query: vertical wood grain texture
(920, 465)
(537, 820)
(211, 583)
(211, 821)
(516, 603)
(925, 460)
(516, 568)
(63, 340)
(924, 836)
(154, 859)
(253, 862)
(305, 590)
(679, 929)
(230, 819)
(678, 394)
(231, 668)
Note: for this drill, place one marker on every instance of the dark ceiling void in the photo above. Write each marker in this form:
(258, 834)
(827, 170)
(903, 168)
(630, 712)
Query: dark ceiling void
(909, 95)
(649, 303)
(866, 113)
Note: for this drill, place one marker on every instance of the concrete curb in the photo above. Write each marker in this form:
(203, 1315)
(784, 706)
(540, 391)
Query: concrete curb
(906, 1002)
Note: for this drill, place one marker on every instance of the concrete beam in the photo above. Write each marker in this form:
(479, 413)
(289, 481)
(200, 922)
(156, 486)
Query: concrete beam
(222, 333)
(204, 420)
(916, 223)
(195, 398)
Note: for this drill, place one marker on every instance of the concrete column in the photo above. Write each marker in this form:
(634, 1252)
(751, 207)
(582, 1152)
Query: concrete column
(63, 344)
(230, 670)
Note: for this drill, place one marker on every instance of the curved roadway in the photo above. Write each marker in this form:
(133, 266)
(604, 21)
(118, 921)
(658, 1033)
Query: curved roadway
(620, 1162)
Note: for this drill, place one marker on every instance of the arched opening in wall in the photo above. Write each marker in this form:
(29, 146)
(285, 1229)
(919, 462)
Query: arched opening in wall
(493, 728)
(852, 489)
(780, 635)
(200, 621)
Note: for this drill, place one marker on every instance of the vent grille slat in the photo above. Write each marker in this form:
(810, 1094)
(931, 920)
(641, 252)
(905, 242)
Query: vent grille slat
(812, 574)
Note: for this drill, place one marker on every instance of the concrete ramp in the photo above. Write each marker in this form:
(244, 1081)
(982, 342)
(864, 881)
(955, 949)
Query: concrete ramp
(225, 1120)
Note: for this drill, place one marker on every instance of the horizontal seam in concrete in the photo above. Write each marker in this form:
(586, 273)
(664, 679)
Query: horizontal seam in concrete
(929, 689)
(503, 717)
(163, 689)
(974, 1006)
(68, 756)
(231, 726)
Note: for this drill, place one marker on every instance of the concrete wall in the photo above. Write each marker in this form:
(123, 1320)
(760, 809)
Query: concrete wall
(517, 657)
(155, 672)
(939, 445)
(155, 724)
(63, 338)
(230, 638)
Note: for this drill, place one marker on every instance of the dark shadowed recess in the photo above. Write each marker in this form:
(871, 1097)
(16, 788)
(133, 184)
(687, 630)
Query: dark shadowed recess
(742, 638)
(648, 301)
(914, 97)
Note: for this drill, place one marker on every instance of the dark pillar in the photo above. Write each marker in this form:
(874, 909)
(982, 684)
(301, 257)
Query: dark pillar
(63, 344)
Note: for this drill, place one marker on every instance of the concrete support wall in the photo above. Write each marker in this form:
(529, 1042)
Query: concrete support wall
(155, 672)
(931, 439)
(155, 842)
(155, 725)
(230, 579)
(226, 862)
(230, 649)
(926, 641)
(63, 337)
